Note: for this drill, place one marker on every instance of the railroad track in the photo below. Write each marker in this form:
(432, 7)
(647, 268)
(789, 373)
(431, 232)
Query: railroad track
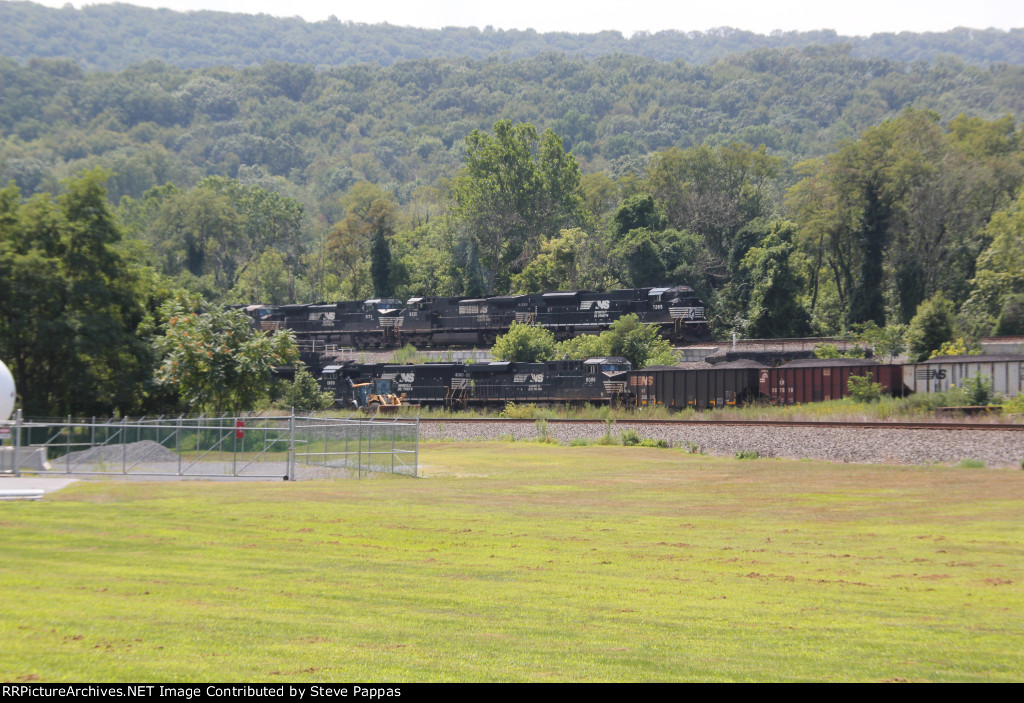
(977, 426)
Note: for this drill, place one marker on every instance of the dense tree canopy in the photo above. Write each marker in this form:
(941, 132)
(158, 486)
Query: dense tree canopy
(118, 35)
(70, 302)
(515, 189)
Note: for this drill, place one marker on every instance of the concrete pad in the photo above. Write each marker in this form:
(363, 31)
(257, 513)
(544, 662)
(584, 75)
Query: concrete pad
(14, 484)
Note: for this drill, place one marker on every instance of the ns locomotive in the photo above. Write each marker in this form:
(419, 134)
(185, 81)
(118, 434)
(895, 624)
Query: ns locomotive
(459, 386)
(449, 321)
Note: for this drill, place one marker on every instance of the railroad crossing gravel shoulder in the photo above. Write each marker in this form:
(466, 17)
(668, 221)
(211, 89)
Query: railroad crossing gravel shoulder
(858, 445)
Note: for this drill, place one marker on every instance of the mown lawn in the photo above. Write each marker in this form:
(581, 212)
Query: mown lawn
(525, 562)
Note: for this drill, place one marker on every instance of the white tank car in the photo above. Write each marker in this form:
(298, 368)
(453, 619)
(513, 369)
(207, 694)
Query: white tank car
(6, 392)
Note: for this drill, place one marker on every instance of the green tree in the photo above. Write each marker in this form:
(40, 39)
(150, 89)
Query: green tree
(264, 280)
(304, 393)
(216, 362)
(515, 188)
(269, 220)
(854, 198)
(898, 214)
(369, 222)
(642, 344)
(380, 266)
(573, 260)
(638, 212)
(1000, 269)
(584, 346)
(713, 191)
(199, 232)
(775, 309)
(1011, 318)
(217, 231)
(887, 342)
(70, 303)
(524, 343)
(930, 328)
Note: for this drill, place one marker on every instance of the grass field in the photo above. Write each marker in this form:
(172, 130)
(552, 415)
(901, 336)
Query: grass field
(524, 562)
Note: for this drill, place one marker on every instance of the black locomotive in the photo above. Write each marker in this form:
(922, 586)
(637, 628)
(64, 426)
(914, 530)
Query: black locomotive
(598, 380)
(449, 321)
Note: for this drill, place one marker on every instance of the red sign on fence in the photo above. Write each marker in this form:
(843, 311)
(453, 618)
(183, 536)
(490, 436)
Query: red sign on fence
(239, 433)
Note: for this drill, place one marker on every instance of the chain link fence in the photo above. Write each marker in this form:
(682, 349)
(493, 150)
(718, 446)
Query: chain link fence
(244, 447)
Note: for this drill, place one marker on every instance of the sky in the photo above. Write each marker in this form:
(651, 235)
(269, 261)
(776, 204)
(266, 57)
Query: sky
(860, 18)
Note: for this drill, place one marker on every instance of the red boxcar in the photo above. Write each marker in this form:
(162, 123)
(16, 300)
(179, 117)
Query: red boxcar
(814, 380)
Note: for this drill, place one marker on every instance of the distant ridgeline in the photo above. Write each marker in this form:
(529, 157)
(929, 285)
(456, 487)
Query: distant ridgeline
(111, 37)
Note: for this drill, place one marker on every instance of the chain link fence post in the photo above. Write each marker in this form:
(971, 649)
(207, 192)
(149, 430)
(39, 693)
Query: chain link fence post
(17, 443)
(290, 469)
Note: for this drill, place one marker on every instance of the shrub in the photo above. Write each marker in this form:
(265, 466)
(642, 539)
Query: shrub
(931, 326)
(1014, 405)
(971, 464)
(978, 390)
(607, 439)
(630, 438)
(519, 412)
(524, 343)
(747, 454)
(863, 389)
(304, 393)
(629, 337)
(831, 351)
(579, 442)
(656, 443)
(408, 355)
(957, 347)
(542, 429)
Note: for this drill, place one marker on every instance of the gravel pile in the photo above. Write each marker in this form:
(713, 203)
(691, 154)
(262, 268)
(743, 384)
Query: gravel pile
(134, 452)
(886, 446)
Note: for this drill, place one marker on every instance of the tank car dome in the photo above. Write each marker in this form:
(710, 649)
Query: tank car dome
(6, 392)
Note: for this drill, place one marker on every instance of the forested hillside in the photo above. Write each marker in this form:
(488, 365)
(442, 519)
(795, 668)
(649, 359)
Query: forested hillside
(114, 36)
(799, 190)
(404, 126)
